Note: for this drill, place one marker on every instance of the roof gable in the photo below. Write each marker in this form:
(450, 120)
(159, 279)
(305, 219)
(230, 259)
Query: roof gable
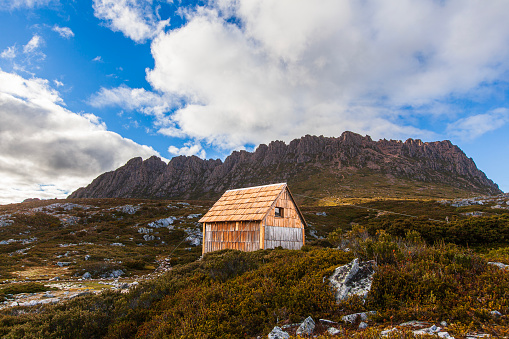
(250, 203)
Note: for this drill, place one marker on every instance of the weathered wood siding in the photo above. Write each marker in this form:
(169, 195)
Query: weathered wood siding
(286, 237)
(290, 215)
(239, 235)
(286, 231)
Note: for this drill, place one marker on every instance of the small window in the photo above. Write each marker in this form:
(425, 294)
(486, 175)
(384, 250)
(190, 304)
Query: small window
(278, 212)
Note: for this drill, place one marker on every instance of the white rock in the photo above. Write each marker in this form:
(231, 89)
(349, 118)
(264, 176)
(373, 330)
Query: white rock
(63, 263)
(363, 325)
(278, 333)
(385, 333)
(351, 318)
(430, 330)
(444, 335)
(353, 279)
(334, 331)
(496, 314)
(307, 327)
(499, 265)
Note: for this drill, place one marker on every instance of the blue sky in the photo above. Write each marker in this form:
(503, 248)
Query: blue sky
(87, 85)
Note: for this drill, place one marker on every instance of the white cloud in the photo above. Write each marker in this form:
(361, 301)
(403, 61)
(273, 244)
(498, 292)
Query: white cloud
(16, 4)
(136, 19)
(58, 83)
(474, 126)
(132, 99)
(188, 149)
(9, 53)
(98, 59)
(293, 67)
(48, 150)
(33, 44)
(65, 32)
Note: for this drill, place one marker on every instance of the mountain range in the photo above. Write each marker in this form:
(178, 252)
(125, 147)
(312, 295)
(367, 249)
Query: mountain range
(347, 166)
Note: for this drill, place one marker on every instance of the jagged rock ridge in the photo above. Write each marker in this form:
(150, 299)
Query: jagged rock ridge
(191, 177)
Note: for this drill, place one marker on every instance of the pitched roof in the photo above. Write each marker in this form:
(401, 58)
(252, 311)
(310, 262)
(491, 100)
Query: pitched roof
(250, 203)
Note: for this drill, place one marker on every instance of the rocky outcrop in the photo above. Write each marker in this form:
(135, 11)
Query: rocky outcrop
(189, 177)
(351, 279)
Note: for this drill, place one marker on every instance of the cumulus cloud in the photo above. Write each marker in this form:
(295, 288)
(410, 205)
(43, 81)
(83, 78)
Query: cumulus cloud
(9, 53)
(98, 59)
(188, 149)
(131, 99)
(47, 150)
(64, 32)
(136, 19)
(33, 44)
(474, 126)
(291, 67)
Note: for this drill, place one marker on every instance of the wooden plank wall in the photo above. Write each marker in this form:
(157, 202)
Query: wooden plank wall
(240, 235)
(290, 215)
(286, 237)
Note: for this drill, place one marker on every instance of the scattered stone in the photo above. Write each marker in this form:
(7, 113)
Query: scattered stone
(334, 331)
(5, 220)
(415, 323)
(162, 222)
(145, 230)
(496, 314)
(87, 257)
(55, 279)
(116, 273)
(194, 236)
(86, 275)
(478, 335)
(148, 237)
(430, 330)
(39, 302)
(63, 263)
(192, 216)
(385, 333)
(323, 214)
(443, 323)
(327, 322)
(307, 327)
(353, 279)
(129, 209)
(499, 265)
(117, 244)
(363, 325)
(278, 333)
(351, 318)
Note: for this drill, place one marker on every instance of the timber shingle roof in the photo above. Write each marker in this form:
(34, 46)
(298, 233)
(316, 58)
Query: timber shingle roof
(250, 203)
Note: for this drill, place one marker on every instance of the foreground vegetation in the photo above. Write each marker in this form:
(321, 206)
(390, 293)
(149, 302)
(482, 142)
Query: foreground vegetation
(231, 294)
(428, 270)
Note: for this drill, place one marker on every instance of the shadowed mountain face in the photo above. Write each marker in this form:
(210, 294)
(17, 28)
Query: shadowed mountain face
(348, 166)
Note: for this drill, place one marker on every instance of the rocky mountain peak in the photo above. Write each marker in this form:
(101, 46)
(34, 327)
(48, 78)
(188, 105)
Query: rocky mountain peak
(438, 162)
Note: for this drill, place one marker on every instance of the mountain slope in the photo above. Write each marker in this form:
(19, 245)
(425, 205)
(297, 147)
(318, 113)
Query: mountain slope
(348, 166)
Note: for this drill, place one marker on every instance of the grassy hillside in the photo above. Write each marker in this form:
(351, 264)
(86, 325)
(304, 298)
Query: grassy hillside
(428, 270)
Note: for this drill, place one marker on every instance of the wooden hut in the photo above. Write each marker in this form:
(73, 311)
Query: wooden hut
(253, 218)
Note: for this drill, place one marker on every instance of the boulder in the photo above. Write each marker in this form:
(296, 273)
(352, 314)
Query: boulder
(278, 333)
(334, 331)
(351, 279)
(87, 275)
(351, 318)
(307, 327)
